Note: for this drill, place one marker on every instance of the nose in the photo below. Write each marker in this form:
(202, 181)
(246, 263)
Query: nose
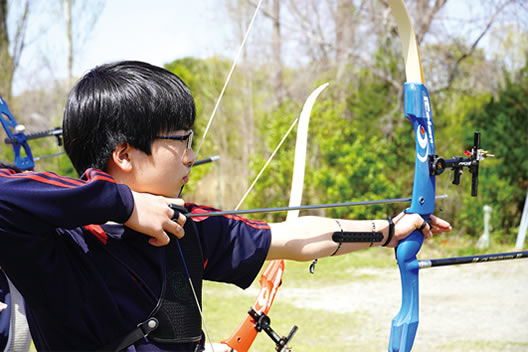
(188, 157)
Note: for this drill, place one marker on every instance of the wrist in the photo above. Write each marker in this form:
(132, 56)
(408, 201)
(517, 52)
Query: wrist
(390, 233)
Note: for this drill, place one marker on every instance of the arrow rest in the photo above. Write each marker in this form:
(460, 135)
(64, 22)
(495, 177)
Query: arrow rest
(458, 163)
(263, 322)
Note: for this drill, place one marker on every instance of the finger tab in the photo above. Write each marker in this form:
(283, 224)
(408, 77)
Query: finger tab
(177, 211)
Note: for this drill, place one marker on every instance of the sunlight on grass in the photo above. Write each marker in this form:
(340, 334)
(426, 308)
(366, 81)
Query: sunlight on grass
(225, 307)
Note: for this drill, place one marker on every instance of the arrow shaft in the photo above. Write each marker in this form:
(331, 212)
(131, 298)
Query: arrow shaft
(472, 259)
(206, 160)
(304, 207)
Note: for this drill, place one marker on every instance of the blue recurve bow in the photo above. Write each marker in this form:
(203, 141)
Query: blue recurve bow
(417, 108)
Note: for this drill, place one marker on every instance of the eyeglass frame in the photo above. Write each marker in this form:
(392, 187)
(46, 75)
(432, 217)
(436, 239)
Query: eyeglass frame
(186, 137)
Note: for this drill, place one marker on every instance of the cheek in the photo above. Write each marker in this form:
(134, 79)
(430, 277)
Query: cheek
(166, 156)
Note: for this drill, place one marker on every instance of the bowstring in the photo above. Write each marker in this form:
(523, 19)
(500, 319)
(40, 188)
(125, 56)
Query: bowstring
(235, 61)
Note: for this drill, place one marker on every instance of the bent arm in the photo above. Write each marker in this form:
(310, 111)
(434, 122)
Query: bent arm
(34, 202)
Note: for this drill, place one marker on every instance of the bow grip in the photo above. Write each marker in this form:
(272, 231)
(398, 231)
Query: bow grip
(405, 324)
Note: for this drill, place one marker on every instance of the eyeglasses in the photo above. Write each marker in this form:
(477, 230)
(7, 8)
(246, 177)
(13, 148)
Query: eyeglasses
(186, 137)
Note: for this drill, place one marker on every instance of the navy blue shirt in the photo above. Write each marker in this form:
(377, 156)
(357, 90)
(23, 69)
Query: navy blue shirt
(5, 315)
(87, 285)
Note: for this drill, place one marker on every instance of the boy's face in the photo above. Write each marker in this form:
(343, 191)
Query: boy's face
(166, 170)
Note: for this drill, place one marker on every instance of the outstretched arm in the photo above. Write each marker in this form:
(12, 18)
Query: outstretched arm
(310, 237)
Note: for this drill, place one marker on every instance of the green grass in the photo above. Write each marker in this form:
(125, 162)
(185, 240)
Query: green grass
(319, 330)
(225, 306)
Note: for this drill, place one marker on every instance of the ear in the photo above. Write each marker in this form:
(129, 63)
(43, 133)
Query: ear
(121, 158)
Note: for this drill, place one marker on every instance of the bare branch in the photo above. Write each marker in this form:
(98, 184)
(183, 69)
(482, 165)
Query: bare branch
(454, 71)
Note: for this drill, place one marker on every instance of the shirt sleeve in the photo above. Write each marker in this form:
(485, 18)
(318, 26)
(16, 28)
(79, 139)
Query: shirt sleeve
(234, 248)
(33, 202)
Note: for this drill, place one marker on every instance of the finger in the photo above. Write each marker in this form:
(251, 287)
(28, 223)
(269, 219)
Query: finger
(440, 225)
(177, 215)
(425, 229)
(422, 227)
(160, 239)
(428, 233)
(176, 201)
(174, 228)
(180, 220)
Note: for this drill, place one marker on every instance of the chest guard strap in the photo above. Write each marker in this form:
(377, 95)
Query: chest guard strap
(177, 313)
(176, 318)
(141, 331)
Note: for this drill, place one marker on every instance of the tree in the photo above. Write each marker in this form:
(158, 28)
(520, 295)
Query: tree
(502, 123)
(11, 46)
(80, 18)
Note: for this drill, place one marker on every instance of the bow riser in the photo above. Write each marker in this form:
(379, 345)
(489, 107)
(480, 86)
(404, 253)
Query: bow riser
(418, 111)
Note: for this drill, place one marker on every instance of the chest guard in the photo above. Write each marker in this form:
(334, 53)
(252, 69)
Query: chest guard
(177, 313)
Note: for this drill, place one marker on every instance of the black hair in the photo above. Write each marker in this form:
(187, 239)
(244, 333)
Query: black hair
(4, 165)
(126, 101)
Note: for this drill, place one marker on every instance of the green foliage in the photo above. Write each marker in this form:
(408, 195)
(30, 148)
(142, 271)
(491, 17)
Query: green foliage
(205, 79)
(272, 190)
(357, 157)
(504, 180)
(348, 158)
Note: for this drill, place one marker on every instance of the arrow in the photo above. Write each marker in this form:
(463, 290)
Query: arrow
(471, 259)
(304, 207)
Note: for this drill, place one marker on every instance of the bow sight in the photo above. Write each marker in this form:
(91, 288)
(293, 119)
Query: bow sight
(263, 322)
(457, 163)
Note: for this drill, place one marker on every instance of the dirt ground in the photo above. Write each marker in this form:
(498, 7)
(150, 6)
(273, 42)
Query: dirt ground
(477, 307)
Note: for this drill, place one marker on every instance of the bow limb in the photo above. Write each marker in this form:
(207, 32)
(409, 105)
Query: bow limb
(271, 278)
(17, 138)
(417, 109)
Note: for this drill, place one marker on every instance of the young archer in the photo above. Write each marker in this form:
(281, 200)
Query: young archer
(96, 256)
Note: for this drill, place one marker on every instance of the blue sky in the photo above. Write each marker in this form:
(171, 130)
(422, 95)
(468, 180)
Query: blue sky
(156, 31)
